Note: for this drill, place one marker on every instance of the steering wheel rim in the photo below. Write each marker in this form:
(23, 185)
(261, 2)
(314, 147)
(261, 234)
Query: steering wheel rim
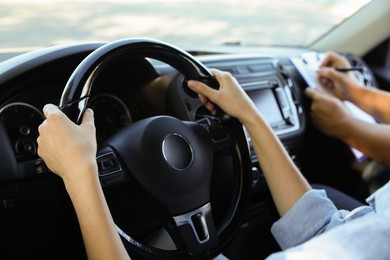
(74, 101)
(74, 97)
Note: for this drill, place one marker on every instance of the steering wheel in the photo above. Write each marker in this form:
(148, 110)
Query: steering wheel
(166, 163)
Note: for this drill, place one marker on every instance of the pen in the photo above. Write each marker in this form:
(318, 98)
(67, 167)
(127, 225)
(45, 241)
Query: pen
(345, 69)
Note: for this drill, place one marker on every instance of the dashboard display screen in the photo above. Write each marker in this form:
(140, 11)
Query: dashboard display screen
(266, 103)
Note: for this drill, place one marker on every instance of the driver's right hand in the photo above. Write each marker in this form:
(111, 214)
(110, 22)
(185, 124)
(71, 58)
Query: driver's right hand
(230, 96)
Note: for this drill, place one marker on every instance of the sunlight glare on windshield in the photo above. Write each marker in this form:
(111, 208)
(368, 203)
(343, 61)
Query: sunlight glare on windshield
(38, 23)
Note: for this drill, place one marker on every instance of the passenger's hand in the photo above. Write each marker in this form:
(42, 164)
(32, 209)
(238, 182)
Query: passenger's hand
(340, 84)
(67, 148)
(334, 60)
(328, 113)
(230, 97)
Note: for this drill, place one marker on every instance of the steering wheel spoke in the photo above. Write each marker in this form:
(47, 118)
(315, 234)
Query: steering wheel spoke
(197, 231)
(219, 134)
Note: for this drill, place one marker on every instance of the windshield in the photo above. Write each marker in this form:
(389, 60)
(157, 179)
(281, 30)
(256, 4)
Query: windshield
(37, 23)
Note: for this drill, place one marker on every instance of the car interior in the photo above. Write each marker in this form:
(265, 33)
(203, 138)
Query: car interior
(181, 183)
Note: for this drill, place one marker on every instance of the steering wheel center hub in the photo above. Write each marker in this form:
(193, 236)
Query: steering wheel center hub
(177, 152)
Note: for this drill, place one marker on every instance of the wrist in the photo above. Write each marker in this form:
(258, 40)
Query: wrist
(342, 130)
(79, 177)
(353, 92)
(253, 119)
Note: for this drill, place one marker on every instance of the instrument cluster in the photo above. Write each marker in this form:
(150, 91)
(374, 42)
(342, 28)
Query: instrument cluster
(21, 121)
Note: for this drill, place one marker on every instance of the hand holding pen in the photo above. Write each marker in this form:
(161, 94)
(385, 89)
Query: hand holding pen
(337, 81)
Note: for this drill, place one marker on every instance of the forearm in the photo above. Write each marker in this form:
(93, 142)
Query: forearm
(371, 139)
(285, 181)
(374, 101)
(100, 237)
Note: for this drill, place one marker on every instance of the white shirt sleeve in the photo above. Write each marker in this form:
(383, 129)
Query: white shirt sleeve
(312, 230)
(312, 215)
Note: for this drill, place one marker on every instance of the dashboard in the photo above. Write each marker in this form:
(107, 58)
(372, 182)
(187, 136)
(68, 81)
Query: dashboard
(135, 88)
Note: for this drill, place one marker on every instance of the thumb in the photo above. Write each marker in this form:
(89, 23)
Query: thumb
(88, 117)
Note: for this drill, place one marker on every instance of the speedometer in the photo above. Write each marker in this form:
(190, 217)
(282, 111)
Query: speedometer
(111, 114)
(21, 121)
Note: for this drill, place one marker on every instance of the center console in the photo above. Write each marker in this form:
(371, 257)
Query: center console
(271, 90)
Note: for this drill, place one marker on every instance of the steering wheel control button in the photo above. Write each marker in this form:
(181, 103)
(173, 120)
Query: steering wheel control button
(218, 134)
(200, 226)
(108, 164)
(177, 152)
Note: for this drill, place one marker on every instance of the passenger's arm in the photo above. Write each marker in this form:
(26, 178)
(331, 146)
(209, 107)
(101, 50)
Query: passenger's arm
(69, 151)
(345, 86)
(371, 139)
(285, 181)
(374, 101)
(330, 116)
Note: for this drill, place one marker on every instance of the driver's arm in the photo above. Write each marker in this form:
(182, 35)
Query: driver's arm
(69, 151)
(285, 181)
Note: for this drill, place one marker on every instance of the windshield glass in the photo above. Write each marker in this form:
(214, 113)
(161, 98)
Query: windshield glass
(37, 23)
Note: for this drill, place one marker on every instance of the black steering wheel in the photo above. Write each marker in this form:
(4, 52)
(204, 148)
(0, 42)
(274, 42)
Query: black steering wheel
(168, 164)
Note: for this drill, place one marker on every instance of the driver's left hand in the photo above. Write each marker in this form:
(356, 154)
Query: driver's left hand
(65, 146)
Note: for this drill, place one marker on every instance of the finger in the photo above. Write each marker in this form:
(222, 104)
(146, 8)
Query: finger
(327, 61)
(326, 82)
(42, 126)
(203, 99)
(40, 149)
(311, 93)
(202, 89)
(328, 73)
(330, 59)
(210, 106)
(218, 74)
(327, 76)
(316, 94)
(224, 76)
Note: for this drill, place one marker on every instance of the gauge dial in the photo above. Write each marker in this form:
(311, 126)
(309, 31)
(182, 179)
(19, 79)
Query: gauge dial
(21, 121)
(111, 114)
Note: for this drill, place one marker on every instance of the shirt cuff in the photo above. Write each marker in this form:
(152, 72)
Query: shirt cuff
(309, 216)
(380, 200)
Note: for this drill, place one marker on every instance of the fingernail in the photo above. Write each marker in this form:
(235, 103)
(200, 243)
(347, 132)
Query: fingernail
(90, 111)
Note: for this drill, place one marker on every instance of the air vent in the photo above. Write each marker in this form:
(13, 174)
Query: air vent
(249, 69)
(261, 67)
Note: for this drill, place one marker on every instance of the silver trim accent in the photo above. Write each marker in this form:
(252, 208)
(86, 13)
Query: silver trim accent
(186, 219)
(165, 157)
(109, 173)
(22, 104)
